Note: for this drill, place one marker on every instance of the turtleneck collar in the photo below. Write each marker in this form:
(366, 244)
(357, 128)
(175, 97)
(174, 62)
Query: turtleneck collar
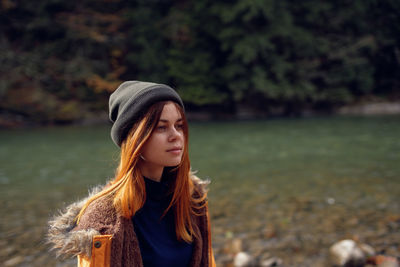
(159, 190)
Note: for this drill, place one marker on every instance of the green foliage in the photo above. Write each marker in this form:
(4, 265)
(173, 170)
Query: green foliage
(255, 53)
(296, 51)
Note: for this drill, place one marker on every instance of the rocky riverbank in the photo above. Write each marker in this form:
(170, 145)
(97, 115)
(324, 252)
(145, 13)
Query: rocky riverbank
(379, 108)
(344, 253)
(302, 232)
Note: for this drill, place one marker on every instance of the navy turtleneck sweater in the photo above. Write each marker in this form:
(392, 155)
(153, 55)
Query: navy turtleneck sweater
(157, 239)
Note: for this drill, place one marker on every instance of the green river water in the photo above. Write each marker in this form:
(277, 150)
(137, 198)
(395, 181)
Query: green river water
(285, 187)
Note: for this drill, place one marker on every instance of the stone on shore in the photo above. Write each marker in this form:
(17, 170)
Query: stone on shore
(14, 261)
(272, 262)
(348, 253)
(383, 261)
(242, 259)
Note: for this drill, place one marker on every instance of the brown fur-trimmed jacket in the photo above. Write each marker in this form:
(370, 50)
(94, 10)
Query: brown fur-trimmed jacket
(104, 238)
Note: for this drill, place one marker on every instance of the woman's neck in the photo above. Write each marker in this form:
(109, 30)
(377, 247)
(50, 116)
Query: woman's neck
(150, 171)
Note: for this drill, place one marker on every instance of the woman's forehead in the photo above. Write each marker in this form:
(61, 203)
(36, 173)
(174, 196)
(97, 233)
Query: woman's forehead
(170, 113)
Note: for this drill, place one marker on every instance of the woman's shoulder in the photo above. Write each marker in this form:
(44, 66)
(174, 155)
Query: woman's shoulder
(70, 238)
(99, 214)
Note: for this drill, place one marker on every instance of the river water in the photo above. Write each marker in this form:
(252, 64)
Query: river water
(286, 187)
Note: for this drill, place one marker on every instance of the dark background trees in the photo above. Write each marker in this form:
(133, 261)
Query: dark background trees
(60, 60)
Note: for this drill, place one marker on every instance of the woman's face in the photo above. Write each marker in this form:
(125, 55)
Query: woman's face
(165, 146)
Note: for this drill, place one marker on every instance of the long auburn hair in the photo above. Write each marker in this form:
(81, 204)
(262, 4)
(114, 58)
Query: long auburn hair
(128, 187)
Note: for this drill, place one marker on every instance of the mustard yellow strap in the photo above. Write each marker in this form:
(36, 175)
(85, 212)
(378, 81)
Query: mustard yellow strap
(212, 259)
(83, 261)
(101, 253)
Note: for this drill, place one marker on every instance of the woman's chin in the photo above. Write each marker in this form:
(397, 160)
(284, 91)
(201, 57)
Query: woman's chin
(173, 163)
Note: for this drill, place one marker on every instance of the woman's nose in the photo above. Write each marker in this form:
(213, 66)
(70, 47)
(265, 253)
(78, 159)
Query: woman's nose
(174, 134)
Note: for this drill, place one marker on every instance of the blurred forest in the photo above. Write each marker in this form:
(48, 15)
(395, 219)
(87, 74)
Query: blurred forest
(60, 60)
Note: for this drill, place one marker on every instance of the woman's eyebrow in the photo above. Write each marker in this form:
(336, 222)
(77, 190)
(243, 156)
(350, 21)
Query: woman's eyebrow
(164, 120)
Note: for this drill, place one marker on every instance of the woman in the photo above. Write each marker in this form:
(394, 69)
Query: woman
(154, 211)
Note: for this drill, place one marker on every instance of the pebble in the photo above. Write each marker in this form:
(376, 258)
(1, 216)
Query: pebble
(269, 231)
(233, 246)
(272, 262)
(242, 259)
(383, 261)
(367, 250)
(14, 261)
(348, 253)
(388, 264)
(330, 200)
(8, 250)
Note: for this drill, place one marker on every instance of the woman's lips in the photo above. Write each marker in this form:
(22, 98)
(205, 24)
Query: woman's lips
(175, 150)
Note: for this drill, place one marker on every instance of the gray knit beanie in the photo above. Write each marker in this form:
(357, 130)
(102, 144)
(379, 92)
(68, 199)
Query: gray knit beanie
(130, 102)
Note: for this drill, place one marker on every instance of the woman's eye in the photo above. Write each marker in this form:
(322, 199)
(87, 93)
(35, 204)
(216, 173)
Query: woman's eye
(179, 126)
(161, 127)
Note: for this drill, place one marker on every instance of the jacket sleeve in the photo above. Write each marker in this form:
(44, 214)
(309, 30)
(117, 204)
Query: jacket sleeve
(101, 252)
(98, 216)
